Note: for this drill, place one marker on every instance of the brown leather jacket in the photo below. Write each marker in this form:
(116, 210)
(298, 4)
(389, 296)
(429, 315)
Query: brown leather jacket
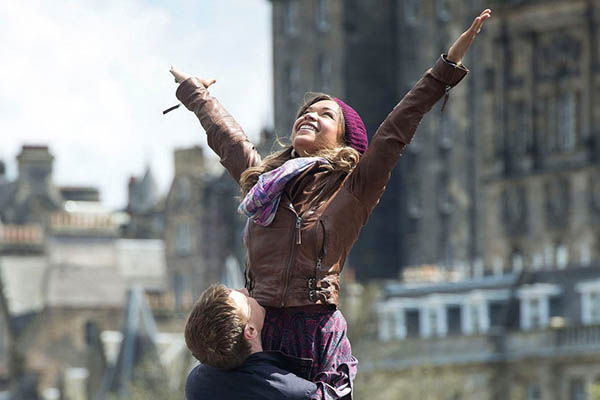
(297, 260)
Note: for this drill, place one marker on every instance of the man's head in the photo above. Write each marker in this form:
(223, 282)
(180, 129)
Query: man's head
(224, 327)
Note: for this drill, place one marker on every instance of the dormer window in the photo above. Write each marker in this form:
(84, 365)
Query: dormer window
(590, 301)
(535, 304)
(517, 260)
(562, 256)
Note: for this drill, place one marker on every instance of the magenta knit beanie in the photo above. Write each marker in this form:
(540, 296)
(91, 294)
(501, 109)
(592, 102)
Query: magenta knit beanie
(356, 133)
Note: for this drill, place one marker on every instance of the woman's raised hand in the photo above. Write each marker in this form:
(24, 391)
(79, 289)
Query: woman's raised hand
(459, 48)
(182, 76)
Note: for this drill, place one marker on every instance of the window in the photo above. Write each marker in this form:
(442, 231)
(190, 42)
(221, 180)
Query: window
(414, 200)
(385, 325)
(535, 304)
(577, 389)
(497, 314)
(443, 12)
(412, 323)
(410, 12)
(537, 262)
(555, 307)
(292, 77)
(433, 322)
(323, 73)
(444, 197)
(323, 15)
(549, 256)
(290, 17)
(547, 125)
(534, 312)
(498, 266)
(595, 307)
(533, 392)
(178, 290)
(517, 260)
(562, 256)
(454, 320)
(567, 121)
(474, 315)
(183, 239)
(520, 131)
(584, 254)
(590, 301)
(182, 190)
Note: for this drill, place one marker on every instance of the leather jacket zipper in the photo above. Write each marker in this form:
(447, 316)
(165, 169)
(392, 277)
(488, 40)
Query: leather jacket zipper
(320, 258)
(298, 231)
(296, 240)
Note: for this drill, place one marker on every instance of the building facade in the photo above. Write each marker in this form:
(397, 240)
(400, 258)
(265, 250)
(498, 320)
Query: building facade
(63, 266)
(527, 335)
(347, 49)
(202, 229)
(498, 193)
(506, 175)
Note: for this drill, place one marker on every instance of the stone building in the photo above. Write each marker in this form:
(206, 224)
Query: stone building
(63, 266)
(202, 228)
(532, 335)
(33, 195)
(499, 192)
(145, 208)
(348, 49)
(505, 177)
(538, 147)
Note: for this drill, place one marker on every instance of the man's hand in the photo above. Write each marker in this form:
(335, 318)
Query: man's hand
(182, 76)
(459, 48)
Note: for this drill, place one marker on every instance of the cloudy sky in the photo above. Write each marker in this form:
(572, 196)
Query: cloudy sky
(90, 78)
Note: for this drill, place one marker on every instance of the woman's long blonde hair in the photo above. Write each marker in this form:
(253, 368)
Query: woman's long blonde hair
(342, 158)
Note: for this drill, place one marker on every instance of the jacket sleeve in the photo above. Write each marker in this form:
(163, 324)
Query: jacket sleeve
(224, 135)
(368, 180)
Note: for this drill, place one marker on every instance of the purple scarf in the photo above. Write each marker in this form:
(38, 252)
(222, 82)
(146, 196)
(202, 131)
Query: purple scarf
(261, 202)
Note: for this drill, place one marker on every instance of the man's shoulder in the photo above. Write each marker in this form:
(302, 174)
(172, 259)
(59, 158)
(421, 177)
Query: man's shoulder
(260, 377)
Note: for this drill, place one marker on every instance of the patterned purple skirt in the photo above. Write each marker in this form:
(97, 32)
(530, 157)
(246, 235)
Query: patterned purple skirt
(319, 333)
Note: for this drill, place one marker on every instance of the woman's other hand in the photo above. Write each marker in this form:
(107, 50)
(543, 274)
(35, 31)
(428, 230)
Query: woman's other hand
(459, 48)
(182, 76)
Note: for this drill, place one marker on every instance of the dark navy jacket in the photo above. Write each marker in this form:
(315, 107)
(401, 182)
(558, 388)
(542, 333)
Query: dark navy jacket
(264, 375)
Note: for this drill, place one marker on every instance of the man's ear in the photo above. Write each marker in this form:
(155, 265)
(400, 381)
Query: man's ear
(250, 332)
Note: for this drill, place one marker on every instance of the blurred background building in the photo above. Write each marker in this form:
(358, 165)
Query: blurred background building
(489, 227)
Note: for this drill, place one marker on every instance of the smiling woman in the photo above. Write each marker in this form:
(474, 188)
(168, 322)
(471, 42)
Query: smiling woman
(307, 204)
(319, 126)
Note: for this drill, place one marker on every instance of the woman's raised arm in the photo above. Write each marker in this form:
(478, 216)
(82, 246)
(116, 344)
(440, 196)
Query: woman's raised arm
(224, 135)
(368, 180)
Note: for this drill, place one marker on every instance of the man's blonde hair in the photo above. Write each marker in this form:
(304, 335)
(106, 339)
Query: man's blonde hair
(214, 331)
